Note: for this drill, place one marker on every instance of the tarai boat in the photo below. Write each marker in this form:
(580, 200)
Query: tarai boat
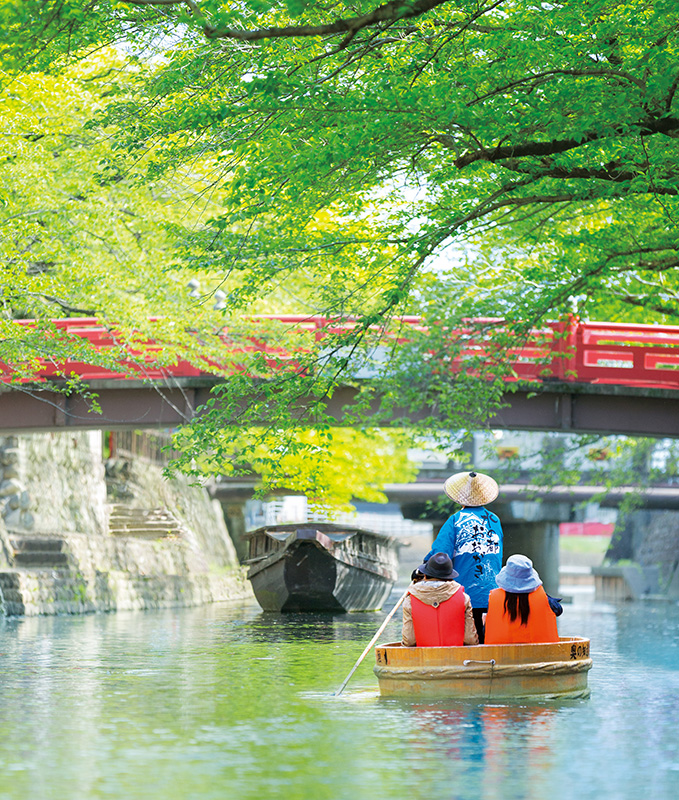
(321, 567)
(492, 671)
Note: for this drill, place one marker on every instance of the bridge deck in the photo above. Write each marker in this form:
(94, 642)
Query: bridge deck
(578, 408)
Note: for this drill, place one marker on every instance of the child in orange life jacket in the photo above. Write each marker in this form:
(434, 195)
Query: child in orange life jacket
(520, 612)
(437, 612)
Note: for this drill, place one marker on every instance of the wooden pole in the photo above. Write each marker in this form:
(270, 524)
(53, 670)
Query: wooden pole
(372, 642)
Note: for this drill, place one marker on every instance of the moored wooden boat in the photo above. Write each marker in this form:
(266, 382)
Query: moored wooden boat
(492, 671)
(321, 567)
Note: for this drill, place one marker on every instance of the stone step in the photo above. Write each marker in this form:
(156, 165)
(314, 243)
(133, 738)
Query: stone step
(14, 609)
(127, 511)
(27, 544)
(9, 581)
(143, 523)
(40, 558)
(572, 575)
(144, 533)
(11, 596)
(42, 591)
(39, 552)
(151, 517)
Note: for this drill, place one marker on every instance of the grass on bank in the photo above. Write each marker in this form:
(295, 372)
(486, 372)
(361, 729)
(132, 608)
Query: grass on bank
(584, 544)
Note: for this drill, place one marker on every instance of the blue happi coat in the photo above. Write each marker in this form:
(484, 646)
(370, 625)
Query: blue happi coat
(473, 539)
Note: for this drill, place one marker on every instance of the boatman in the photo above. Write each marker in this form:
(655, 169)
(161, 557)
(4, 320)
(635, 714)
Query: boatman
(437, 612)
(472, 538)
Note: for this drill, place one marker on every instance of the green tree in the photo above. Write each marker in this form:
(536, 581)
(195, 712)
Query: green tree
(506, 159)
(80, 236)
(331, 466)
(543, 135)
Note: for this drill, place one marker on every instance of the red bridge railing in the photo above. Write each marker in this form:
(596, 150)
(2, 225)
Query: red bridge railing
(584, 352)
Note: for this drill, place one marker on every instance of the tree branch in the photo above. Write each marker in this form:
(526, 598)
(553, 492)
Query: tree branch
(492, 204)
(647, 303)
(540, 78)
(63, 305)
(609, 172)
(392, 11)
(388, 12)
(647, 127)
(658, 266)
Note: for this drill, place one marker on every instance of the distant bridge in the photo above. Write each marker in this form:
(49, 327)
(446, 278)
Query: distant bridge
(649, 497)
(227, 489)
(581, 377)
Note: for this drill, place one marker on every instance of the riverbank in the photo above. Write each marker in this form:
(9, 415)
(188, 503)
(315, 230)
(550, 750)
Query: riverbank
(93, 537)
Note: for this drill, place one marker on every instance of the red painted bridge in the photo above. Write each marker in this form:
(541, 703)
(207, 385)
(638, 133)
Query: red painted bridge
(583, 376)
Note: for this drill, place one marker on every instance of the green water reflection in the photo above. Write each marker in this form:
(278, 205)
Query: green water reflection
(225, 701)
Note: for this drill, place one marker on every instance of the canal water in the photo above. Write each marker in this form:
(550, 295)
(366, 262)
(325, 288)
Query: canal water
(227, 702)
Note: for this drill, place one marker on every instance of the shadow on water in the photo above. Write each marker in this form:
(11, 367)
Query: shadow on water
(314, 626)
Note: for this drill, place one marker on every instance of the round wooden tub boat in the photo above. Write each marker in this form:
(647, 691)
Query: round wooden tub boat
(489, 671)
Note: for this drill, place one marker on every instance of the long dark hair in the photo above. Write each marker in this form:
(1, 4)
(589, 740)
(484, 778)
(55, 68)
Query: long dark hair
(514, 599)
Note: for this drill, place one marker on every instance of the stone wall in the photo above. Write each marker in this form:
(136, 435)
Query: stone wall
(644, 556)
(656, 541)
(110, 573)
(58, 482)
(201, 515)
(68, 557)
(15, 500)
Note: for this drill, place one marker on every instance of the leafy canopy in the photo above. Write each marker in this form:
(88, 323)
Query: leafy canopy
(80, 236)
(449, 158)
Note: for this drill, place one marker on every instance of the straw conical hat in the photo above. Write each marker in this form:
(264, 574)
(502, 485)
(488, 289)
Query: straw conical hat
(471, 488)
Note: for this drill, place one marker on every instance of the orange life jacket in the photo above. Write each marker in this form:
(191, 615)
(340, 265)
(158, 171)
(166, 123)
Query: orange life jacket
(541, 625)
(441, 625)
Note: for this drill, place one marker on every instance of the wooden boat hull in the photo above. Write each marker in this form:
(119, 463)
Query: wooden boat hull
(550, 670)
(321, 568)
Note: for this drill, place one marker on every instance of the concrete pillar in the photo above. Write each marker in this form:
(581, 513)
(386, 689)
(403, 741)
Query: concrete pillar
(421, 512)
(235, 523)
(540, 542)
